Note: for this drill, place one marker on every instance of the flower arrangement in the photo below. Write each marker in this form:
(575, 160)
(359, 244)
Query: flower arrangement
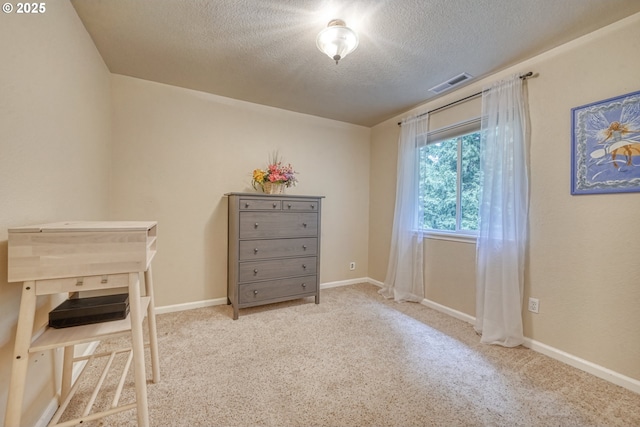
(275, 173)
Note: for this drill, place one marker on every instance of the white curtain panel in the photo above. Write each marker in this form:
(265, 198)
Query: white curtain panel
(405, 274)
(504, 209)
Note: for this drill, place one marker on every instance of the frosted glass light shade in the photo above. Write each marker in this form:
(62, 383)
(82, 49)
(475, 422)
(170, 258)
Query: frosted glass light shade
(337, 40)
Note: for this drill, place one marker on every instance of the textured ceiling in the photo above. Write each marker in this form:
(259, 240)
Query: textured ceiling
(264, 51)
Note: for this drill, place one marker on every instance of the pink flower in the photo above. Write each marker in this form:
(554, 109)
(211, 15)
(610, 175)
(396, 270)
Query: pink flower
(276, 172)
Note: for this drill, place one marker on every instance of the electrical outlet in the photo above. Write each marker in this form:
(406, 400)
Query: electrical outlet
(352, 265)
(534, 305)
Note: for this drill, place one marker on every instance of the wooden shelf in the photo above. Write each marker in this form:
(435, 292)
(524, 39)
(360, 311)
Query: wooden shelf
(78, 256)
(54, 338)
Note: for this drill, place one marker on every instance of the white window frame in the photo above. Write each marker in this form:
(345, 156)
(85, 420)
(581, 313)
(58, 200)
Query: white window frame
(457, 130)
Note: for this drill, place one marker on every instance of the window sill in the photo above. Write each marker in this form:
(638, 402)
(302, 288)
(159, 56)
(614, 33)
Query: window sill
(453, 237)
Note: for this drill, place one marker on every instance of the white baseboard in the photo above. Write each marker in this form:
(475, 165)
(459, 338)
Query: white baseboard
(221, 301)
(434, 305)
(48, 413)
(584, 365)
(450, 311)
(375, 282)
(554, 353)
(53, 405)
(190, 305)
(348, 282)
(564, 357)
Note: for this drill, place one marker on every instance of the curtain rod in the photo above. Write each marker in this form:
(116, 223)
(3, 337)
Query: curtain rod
(523, 77)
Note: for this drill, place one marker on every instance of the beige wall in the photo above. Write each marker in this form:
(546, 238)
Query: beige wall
(78, 143)
(582, 258)
(54, 142)
(176, 152)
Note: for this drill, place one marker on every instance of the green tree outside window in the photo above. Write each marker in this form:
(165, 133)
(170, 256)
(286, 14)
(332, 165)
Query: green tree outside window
(450, 183)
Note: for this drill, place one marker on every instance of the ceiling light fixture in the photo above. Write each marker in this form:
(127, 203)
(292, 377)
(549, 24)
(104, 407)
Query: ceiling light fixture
(337, 40)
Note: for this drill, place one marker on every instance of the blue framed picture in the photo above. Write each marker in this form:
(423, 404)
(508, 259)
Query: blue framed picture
(605, 156)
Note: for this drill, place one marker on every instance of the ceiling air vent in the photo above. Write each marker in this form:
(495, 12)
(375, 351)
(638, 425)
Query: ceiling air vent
(452, 82)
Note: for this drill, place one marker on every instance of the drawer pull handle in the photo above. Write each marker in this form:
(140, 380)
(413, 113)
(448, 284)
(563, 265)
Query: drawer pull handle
(255, 292)
(304, 224)
(255, 250)
(80, 282)
(289, 205)
(255, 225)
(246, 205)
(255, 271)
(104, 279)
(274, 205)
(304, 285)
(304, 247)
(304, 265)
(313, 206)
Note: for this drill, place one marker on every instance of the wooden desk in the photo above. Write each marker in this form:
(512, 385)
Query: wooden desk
(82, 256)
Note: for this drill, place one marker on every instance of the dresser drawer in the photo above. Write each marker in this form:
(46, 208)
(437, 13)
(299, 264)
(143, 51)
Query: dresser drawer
(260, 205)
(273, 248)
(274, 289)
(256, 225)
(300, 205)
(262, 249)
(251, 271)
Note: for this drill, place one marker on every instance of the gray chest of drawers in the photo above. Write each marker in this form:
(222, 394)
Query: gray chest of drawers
(274, 249)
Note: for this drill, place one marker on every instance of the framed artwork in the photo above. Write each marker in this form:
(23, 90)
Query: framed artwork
(605, 136)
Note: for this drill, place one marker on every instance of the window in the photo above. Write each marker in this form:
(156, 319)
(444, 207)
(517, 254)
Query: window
(450, 179)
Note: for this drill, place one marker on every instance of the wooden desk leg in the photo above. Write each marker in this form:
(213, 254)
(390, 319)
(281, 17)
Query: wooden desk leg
(137, 345)
(21, 355)
(67, 371)
(151, 319)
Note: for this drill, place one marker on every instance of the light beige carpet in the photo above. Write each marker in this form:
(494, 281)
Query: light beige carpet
(358, 360)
